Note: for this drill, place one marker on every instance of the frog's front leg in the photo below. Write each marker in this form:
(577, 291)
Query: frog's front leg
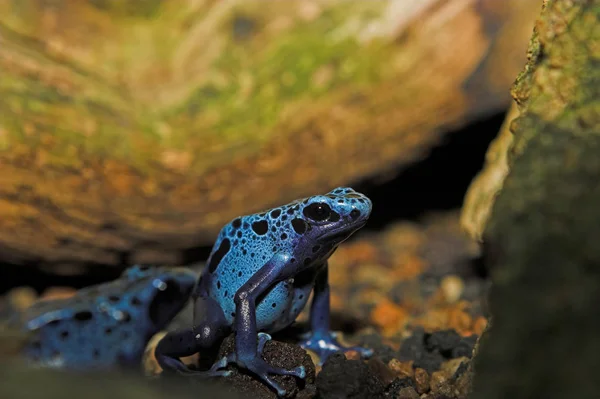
(321, 339)
(248, 343)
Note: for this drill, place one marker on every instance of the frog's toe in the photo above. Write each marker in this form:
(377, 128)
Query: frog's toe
(220, 364)
(299, 372)
(212, 373)
(263, 338)
(324, 345)
(275, 386)
(262, 370)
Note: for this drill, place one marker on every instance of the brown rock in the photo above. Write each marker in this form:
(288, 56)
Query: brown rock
(381, 370)
(402, 369)
(438, 380)
(408, 393)
(422, 381)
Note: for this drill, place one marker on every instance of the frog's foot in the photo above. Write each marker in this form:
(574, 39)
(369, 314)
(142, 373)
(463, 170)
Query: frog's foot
(214, 371)
(324, 345)
(261, 368)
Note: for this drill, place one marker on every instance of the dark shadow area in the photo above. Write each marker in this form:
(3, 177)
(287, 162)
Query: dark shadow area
(438, 183)
(31, 276)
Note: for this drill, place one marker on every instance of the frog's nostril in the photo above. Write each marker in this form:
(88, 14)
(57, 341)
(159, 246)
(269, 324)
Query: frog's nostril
(355, 214)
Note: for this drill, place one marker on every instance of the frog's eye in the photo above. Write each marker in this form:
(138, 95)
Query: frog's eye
(318, 211)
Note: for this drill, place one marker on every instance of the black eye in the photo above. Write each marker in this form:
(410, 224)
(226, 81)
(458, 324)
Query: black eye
(317, 211)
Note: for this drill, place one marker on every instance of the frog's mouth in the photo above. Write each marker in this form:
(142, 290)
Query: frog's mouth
(342, 233)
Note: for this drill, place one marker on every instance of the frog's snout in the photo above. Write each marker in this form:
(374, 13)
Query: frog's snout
(361, 208)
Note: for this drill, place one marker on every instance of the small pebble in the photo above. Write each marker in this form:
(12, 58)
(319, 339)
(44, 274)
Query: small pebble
(452, 288)
(381, 370)
(408, 393)
(438, 380)
(402, 369)
(460, 321)
(422, 381)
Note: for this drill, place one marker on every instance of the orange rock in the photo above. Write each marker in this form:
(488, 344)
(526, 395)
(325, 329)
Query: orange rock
(389, 317)
(434, 319)
(459, 320)
(407, 267)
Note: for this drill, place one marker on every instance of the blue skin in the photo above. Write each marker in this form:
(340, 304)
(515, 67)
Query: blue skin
(258, 278)
(107, 325)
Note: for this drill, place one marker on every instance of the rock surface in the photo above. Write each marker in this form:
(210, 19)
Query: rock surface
(541, 241)
(128, 137)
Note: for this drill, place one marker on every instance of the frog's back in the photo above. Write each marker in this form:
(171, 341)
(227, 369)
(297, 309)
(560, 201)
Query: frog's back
(107, 324)
(242, 248)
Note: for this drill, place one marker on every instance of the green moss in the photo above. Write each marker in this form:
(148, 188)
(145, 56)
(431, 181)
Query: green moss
(282, 73)
(254, 78)
(129, 8)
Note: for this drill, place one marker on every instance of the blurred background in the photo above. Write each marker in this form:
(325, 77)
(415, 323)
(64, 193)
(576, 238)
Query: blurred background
(131, 131)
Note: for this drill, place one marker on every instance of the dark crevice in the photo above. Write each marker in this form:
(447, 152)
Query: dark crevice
(438, 183)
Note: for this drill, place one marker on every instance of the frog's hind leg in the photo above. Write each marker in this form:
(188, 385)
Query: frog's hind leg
(209, 329)
(321, 339)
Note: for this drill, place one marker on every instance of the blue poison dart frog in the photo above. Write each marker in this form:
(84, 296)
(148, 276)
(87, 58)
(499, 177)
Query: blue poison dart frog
(107, 325)
(258, 278)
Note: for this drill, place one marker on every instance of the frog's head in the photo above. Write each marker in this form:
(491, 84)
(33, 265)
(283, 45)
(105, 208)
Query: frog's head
(333, 217)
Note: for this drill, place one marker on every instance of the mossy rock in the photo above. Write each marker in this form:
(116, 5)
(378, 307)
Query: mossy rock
(132, 130)
(541, 241)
